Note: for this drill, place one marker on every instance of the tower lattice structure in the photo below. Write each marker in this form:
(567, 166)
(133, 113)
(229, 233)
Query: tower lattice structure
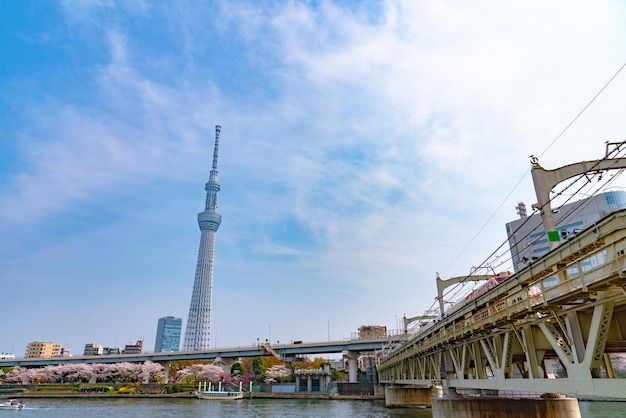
(198, 332)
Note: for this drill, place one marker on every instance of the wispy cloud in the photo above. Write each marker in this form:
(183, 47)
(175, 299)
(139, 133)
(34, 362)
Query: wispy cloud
(363, 144)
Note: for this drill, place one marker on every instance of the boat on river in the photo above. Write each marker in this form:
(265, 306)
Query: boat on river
(11, 404)
(208, 392)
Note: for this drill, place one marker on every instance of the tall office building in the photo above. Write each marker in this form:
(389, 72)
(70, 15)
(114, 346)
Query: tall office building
(198, 331)
(168, 334)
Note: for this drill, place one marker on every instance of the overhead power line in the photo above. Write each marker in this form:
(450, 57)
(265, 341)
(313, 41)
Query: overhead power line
(525, 174)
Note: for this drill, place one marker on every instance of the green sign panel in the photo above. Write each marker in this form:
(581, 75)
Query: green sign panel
(554, 236)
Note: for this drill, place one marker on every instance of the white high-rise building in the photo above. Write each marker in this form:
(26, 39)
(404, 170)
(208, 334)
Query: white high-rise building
(527, 239)
(198, 332)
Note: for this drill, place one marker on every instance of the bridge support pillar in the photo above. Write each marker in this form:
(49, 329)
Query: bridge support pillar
(145, 374)
(166, 370)
(226, 363)
(410, 396)
(352, 357)
(545, 407)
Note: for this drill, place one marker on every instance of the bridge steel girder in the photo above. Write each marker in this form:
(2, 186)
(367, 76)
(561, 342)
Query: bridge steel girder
(550, 328)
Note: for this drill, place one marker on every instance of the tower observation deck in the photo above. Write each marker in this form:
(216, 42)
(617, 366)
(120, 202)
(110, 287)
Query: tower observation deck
(198, 332)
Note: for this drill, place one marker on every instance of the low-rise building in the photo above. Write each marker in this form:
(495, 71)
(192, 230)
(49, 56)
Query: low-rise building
(111, 351)
(372, 331)
(133, 347)
(93, 349)
(45, 349)
(313, 380)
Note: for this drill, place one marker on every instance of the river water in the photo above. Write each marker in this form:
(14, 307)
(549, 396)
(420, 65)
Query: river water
(265, 408)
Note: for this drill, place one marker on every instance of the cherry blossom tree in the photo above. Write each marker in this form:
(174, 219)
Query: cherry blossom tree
(77, 373)
(246, 378)
(84, 373)
(154, 371)
(15, 375)
(277, 373)
(200, 372)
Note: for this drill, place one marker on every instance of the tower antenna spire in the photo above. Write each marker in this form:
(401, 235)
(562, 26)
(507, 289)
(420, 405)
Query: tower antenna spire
(218, 129)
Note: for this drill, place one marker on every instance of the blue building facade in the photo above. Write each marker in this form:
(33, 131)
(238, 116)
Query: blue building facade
(168, 334)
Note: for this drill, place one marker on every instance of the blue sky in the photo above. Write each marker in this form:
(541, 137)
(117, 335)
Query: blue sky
(365, 146)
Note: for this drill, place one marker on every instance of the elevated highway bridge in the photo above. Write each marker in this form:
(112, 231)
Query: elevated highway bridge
(263, 349)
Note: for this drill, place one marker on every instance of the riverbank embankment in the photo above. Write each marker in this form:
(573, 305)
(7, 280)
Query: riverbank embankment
(253, 395)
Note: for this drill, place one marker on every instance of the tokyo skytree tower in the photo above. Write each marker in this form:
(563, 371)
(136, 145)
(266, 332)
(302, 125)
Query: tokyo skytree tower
(198, 333)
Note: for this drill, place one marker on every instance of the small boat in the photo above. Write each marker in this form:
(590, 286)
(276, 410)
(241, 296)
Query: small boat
(219, 394)
(11, 404)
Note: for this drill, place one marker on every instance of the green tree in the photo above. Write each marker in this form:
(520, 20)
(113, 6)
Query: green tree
(259, 367)
(236, 369)
(337, 376)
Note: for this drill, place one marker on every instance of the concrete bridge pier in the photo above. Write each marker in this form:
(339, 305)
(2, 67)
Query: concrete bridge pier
(548, 406)
(145, 375)
(166, 370)
(411, 395)
(226, 363)
(352, 357)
